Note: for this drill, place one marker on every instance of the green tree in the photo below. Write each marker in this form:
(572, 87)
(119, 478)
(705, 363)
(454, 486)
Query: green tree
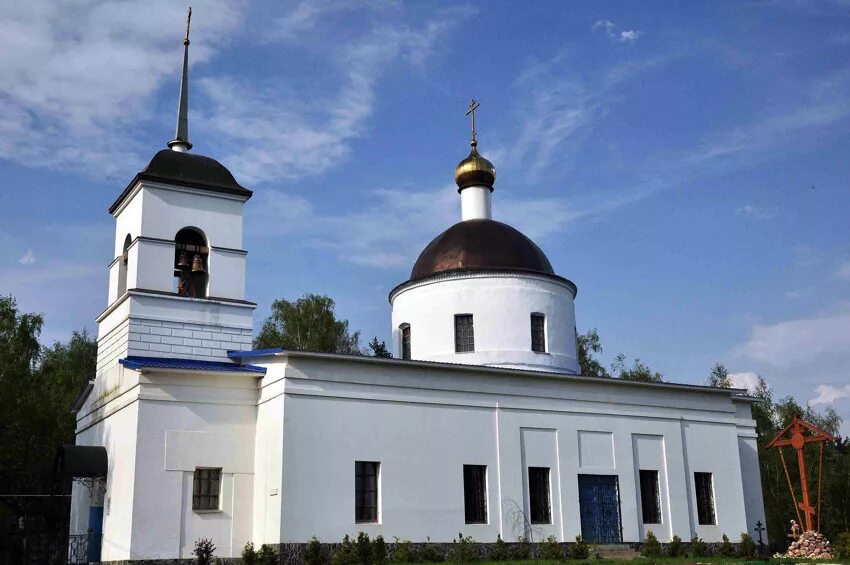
(37, 387)
(588, 345)
(379, 348)
(308, 324)
(638, 372)
(719, 377)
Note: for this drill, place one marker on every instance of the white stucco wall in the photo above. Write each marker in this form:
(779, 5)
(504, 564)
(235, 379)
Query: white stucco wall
(188, 421)
(287, 444)
(423, 426)
(501, 305)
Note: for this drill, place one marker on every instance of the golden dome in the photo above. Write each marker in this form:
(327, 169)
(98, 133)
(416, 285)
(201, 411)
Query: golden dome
(475, 170)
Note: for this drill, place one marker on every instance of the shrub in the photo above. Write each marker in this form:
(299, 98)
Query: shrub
(463, 550)
(650, 547)
(379, 550)
(363, 549)
(403, 552)
(522, 549)
(698, 547)
(748, 547)
(204, 551)
(579, 550)
(313, 553)
(676, 548)
(842, 546)
(249, 554)
(344, 554)
(725, 548)
(267, 555)
(430, 554)
(499, 551)
(550, 550)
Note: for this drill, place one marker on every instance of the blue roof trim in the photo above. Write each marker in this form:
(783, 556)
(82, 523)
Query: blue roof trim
(134, 362)
(254, 352)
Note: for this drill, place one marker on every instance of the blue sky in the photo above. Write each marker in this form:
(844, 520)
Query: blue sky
(685, 164)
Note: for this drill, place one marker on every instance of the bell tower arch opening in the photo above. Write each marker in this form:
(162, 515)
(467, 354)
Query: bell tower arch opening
(191, 258)
(122, 267)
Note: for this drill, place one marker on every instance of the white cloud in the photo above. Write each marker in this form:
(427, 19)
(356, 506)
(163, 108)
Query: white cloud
(794, 343)
(83, 75)
(28, 258)
(630, 36)
(392, 226)
(269, 133)
(828, 394)
(398, 220)
(606, 25)
(625, 36)
(748, 381)
(305, 16)
(755, 212)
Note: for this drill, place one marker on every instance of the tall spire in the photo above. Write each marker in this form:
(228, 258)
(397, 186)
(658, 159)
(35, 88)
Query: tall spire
(181, 138)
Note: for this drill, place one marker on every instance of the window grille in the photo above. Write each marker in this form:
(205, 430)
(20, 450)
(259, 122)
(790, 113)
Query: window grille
(366, 491)
(206, 489)
(405, 341)
(464, 333)
(705, 499)
(649, 497)
(538, 495)
(538, 333)
(475, 493)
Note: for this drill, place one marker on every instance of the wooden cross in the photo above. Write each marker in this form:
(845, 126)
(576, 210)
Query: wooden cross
(473, 105)
(794, 434)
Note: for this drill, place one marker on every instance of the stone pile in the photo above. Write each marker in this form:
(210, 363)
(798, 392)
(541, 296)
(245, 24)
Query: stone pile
(810, 545)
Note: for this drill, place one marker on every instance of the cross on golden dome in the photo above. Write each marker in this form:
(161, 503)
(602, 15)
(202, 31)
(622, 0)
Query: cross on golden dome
(473, 105)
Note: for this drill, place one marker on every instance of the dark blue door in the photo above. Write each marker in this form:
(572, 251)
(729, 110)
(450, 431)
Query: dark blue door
(599, 503)
(95, 533)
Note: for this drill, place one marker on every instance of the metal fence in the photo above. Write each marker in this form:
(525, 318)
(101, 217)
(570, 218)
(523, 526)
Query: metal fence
(83, 548)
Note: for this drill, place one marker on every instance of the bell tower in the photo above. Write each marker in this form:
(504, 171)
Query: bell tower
(177, 280)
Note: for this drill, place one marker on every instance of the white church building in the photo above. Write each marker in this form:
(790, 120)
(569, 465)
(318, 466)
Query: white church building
(481, 424)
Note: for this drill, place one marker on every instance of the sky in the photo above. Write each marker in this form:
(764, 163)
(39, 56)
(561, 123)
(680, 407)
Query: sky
(685, 164)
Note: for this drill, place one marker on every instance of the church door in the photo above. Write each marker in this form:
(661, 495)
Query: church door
(599, 503)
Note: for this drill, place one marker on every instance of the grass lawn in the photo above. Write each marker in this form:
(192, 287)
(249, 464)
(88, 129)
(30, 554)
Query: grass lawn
(660, 561)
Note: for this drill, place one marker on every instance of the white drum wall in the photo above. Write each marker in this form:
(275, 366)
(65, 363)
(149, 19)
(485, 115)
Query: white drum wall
(501, 305)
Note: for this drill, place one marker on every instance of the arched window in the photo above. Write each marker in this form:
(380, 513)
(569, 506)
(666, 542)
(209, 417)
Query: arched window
(190, 263)
(122, 266)
(404, 329)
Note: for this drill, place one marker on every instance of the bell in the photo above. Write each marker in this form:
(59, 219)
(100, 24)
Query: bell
(183, 262)
(198, 265)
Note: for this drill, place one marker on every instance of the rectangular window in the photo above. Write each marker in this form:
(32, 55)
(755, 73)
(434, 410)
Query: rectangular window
(206, 487)
(366, 491)
(538, 333)
(538, 495)
(464, 333)
(705, 498)
(649, 499)
(405, 341)
(475, 493)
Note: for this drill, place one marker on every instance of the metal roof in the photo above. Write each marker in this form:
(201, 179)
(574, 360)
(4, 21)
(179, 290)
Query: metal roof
(166, 363)
(737, 393)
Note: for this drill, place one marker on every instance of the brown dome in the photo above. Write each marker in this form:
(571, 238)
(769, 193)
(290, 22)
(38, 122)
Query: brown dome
(480, 244)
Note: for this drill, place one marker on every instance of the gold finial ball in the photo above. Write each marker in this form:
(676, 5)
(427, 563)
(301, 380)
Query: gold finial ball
(475, 170)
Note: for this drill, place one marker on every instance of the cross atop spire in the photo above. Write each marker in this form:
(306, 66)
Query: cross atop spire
(473, 105)
(181, 138)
